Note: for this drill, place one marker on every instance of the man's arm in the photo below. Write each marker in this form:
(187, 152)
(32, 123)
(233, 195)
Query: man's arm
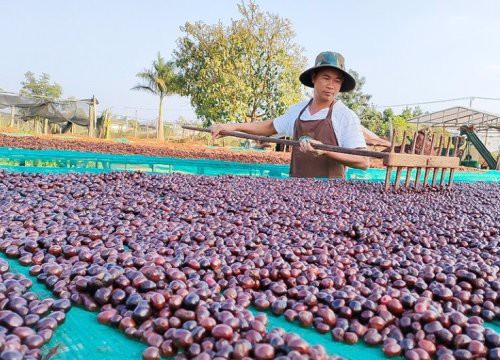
(354, 161)
(263, 128)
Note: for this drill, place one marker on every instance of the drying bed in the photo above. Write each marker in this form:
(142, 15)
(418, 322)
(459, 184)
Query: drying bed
(179, 261)
(144, 148)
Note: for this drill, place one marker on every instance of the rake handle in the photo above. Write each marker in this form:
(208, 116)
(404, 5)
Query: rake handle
(337, 149)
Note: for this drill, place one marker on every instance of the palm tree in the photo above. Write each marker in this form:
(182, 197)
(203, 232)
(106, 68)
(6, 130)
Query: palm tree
(160, 80)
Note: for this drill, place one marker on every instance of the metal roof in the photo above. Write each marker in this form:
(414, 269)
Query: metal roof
(457, 116)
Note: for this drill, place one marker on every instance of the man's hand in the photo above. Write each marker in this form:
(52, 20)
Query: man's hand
(217, 128)
(305, 146)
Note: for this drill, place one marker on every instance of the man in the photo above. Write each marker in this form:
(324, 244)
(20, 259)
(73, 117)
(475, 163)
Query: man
(323, 119)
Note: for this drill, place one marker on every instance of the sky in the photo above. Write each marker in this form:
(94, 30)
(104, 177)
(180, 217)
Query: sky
(408, 51)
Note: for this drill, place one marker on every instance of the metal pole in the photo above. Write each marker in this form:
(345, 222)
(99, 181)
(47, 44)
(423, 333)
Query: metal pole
(486, 137)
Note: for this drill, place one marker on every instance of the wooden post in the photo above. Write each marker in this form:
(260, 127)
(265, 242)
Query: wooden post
(91, 125)
(136, 124)
(12, 113)
(92, 116)
(167, 134)
(94, 112)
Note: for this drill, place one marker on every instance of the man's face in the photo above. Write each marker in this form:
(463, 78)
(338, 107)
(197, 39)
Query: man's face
(327, 83)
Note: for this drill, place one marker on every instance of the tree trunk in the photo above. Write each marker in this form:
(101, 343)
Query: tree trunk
(253, 115)
(159, 126)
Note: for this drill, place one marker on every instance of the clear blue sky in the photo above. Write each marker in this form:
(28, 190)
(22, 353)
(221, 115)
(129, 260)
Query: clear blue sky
(409, 51)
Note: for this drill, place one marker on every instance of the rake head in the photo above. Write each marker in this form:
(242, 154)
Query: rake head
(421, 155)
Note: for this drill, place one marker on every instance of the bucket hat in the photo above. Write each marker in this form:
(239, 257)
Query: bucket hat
(329, 59)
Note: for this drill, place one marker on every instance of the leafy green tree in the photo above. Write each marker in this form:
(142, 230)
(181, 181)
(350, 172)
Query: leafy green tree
(245, 71)
(41, 86)
(160, 80)
(399, 122)
(373, 120)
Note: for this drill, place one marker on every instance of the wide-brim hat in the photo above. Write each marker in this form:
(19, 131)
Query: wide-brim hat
(329, 59)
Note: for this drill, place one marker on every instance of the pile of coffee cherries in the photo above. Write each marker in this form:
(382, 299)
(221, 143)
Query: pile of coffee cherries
(26, 322)
(179, 261)
(183, 151)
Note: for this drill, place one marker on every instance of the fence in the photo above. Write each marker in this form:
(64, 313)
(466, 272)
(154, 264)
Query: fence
(39, 115)
(119, 129)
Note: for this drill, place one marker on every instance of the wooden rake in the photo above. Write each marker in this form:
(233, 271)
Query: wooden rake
(419, 159)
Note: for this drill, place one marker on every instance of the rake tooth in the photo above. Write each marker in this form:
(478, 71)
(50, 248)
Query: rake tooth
(432, 144)
(388, 171)
(419, 170)
(387, 183)
(398, 177)
(399, 168)
(450, 180)
(410, 169)
(448, 146)
(443, 174)
(414, 142)
(402, 148)
(452, 171)
(426, 174)
(408, 176)
(417, 177)
(393, 141)
(447, 153)
(435, 172)
(434, 176)
(422, 150)
(440, 144)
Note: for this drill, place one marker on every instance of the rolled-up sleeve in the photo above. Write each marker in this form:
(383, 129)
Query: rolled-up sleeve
(285, 123)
